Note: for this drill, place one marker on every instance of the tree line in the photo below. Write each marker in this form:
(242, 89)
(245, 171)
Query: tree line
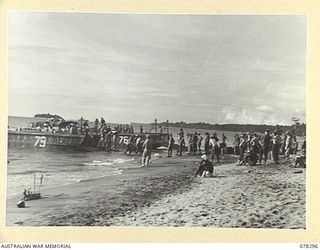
(299, 127)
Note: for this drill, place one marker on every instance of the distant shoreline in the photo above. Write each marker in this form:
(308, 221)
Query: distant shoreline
(208, 126)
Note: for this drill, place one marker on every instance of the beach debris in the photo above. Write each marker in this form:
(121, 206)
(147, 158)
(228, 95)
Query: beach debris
(248, 171)
(298, 172)
(157, 155)
(244, 223)
(21, 204)
(19, 223)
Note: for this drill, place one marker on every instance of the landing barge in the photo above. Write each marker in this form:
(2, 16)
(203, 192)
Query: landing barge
(87, 142)
(45, 140)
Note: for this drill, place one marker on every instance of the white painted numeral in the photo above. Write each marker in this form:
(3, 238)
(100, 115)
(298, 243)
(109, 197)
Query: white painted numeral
(121, 139)
(124, 139)
(41, 140)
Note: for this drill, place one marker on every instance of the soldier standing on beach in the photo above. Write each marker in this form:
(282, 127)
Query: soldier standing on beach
(265, 143)
(108, 141)
(276, 143)
(254, 148)
(215, 150)
(139, 145)
(236, 144)
(223, 145)
(189, 141)
(224, 138)
(242, 147)
(101, 142)
(102, 122)
(115, 140)
(181, 142)
(170, 145)
(146, 155)
(199, 142)
(96, 126)
(288, 144)
(181, 133)
(194, 143)
(207, 144)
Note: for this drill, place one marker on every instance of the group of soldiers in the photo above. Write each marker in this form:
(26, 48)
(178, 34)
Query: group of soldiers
(194, 144)
(141, 146)
(119, 128)
(252, 148)
(109, 140)
(255, 148)
(109, 137)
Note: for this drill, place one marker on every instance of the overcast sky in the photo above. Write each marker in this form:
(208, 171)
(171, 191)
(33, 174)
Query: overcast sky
(134, 68)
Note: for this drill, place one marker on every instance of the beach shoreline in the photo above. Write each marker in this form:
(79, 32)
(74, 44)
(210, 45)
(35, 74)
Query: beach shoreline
(168, 194)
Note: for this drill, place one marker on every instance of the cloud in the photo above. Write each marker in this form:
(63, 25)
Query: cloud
(212, 68)
(265, 108)
(163, 94)
(249, 116)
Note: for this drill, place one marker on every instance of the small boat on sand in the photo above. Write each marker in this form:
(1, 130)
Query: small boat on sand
(29, 195)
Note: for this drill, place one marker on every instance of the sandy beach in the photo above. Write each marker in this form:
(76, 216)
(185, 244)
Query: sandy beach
(168, 194)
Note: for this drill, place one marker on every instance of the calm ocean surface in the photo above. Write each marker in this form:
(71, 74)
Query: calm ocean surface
(63, 167)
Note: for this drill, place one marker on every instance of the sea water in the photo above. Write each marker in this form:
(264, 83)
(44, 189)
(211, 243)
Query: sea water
(62, 167)
(59, 167)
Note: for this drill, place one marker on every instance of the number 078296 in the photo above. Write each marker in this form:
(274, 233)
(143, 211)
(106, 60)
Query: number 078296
(309, 246)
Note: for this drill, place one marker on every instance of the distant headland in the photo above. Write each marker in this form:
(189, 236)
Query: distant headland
(47, 116)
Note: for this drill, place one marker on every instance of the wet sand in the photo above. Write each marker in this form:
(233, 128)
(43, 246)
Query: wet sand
(167, 194)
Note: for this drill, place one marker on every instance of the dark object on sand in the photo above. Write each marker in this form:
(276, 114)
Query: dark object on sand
(296, 161)
(28, 195)
(21, 204)
(32, 196)
(35, 195)
(298, 172)
(228, 150)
